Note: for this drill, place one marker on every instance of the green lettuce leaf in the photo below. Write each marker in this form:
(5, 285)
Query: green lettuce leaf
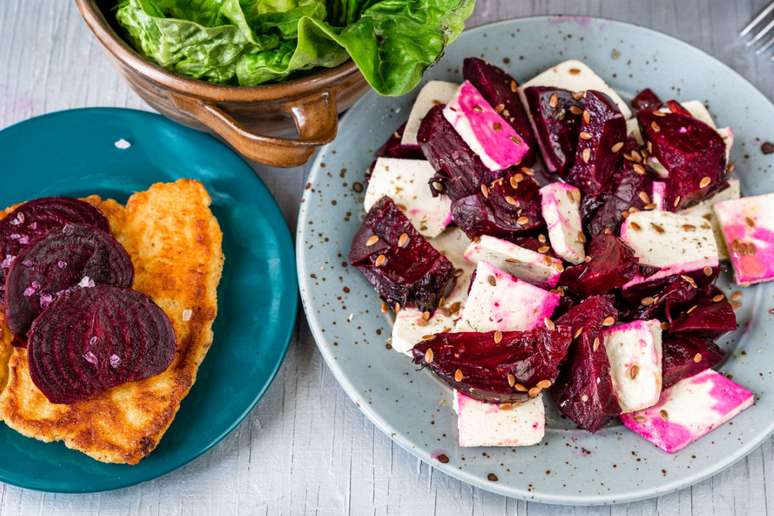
(251, 42)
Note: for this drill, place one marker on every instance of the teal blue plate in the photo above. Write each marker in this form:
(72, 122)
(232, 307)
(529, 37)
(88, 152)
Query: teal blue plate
(75, 153)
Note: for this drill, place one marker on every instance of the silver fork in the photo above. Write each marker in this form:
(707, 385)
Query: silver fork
(759, 33)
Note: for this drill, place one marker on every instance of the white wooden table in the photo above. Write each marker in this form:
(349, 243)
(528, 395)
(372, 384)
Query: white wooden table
(306, 449)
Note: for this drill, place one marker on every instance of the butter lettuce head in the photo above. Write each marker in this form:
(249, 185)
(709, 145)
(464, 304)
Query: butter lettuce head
(252, 42)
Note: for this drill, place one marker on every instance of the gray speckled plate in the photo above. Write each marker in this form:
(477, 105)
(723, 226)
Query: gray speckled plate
(570, 466)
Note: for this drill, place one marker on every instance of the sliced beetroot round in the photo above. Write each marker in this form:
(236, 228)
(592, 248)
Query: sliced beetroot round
(93, 339)
(692, 152)
(34, 219)
(68, 257)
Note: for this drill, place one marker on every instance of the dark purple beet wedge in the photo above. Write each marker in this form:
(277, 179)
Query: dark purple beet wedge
(496, 366)
(610, 264)
(499, 89)
(646, 99)
(602, 130)
(664, 296)
(686, 355)
(508, 208)
(68, 257)
(460, 171)
(93, 339)
(34, 219)
(708, 316)
(401, 265)
(555, 114)
(630, 188)
(692, 152)
(584, 391)
(393, 148)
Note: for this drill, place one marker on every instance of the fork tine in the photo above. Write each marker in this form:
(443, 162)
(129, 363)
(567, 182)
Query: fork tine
(755, 21)
(765, 46)
(761, 33)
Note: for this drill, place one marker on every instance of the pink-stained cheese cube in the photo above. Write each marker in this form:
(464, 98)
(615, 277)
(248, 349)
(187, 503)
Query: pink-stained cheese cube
(688, 410)
(536, 268)
(658, 194)
(634, 352)
(560, 204)
(748, 229)
(488, 134)
(498, 301)
(499, 424)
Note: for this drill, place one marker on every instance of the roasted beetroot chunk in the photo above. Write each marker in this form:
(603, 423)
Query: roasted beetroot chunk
(393, 148)
(34, 219)
(496, 366)
(692, 152)
(460, 170)
(499, 89)
(646, 99)
(508, 208)
(67, 257)
(686, 355)
(676, 107)
(629, 188)
(666, 297)
(602, 127)
(611, 263)
(400, 264)
(584, 390)
(708, 316)
(92, 339)
(555, 115)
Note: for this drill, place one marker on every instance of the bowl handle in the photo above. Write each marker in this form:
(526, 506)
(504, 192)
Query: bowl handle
(315, 117)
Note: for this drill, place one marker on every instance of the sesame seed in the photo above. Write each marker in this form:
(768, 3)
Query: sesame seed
(635, 226)
(608, 321)
(384, 308)
(514, 86)
(664, 413)
(618, 146)
(650, 206)
(511, 380)
(691, 309)
(634, 371)
(586, 116)
(544, 384)
(553, 101)
(688, 227)
(542, 238)
(458, 376)
(577, 95)
(575, 110)
(581, 237)
(372, 240)
(533, 392)
(586, 155)
(522, 221)
(639, 169)
(584, 398)
(655, 126)
(549, 323)
(689, 280)
(705, 182)
(647, 301)
(519, 387)
(578, 332)
(595, 344)
(585, 136)
(491, 279)
(697, 357)
(644, 197)
(677, 201)
(497, 126)
(396, 308)
(477, 109)
(510, 200)
(403, 240)
(380, 260)
(543, 249)
(499, 108)
(498, 337)
(707, 270)
(428, 355)
(718, 298)
(736, 296)
(749, 221)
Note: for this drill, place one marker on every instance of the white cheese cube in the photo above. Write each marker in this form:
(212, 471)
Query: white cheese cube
(536, 268)
(488, 134)
(728, 138)
(633, 130)
(574, 75)
(498, 301)
(410, 326)
(634, 352)
(705, 211)
(405, 181)
(431, 94)
(676, 243)
(698, 110)
(503, 424)
(560, 204)
(453, 243)
(748, 230)
(688, 410)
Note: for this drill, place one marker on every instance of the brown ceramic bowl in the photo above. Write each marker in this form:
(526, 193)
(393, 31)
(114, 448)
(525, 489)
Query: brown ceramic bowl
(250, 119)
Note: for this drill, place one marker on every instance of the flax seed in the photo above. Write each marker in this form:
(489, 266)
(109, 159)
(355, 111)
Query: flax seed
(372, 240)
(403, 240)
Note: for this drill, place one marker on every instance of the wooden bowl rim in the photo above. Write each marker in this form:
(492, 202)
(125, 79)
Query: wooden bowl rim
(138, 64)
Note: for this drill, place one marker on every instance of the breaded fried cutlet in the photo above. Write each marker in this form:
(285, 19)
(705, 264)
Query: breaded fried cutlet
(174, 242)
